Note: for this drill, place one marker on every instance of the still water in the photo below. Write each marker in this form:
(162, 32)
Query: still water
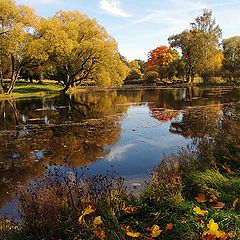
(126, 130)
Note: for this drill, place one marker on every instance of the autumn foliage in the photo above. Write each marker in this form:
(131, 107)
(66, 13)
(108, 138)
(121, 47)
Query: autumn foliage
(161, 56)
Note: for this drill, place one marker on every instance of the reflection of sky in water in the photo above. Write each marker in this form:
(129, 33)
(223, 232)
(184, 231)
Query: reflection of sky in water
(142, 144)
(38, 155)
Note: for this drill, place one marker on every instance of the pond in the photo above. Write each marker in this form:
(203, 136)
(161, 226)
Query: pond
(127, 130)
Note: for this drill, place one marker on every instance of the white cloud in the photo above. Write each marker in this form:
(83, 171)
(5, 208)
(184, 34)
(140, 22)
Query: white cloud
(113, 7)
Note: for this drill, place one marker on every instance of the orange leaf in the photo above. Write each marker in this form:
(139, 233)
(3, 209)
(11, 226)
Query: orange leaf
(169, 226)
(131, 209)
(201, 198)
(100, 233)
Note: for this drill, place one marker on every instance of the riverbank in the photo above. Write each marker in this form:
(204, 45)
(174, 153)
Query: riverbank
(191, 195)
(24, 89)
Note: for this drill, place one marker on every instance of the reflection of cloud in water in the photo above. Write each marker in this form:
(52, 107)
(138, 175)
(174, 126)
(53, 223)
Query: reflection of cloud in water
(119, 151)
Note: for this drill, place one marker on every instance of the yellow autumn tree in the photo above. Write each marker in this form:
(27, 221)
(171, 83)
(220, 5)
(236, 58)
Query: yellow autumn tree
(80, 50)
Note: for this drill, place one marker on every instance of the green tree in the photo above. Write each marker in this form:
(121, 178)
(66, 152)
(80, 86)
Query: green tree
(135, 71)
(200, 47)
(231, 63)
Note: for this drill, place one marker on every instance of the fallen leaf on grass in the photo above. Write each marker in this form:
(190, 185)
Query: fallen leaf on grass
(219, 205)
(213, 198)
(85, 212)
(169, 226)
(199, 211)
(155, 231)
(212, 232)
(235, 202)
(100, 233)
(131, 209)
(97, 221)
(131, 233)
(201, 198)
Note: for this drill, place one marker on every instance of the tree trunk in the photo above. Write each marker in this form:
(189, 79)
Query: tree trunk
(13, 81)
(67, 83)
(14, 76)
(1, 86)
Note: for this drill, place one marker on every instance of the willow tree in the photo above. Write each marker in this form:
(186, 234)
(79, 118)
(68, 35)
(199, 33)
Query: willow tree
(17, 23)
(81, 50)
(200, 47)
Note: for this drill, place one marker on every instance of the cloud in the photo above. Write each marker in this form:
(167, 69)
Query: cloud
(113, 7)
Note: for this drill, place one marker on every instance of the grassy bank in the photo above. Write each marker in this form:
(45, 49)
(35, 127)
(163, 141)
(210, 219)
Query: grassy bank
(25, 89)
(191, 195)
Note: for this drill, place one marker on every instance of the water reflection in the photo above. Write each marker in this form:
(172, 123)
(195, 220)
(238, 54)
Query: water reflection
(128, 128)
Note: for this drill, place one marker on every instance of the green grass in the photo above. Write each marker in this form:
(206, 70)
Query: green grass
(25, 89)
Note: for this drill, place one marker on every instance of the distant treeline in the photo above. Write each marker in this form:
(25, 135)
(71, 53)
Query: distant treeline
(196, 52)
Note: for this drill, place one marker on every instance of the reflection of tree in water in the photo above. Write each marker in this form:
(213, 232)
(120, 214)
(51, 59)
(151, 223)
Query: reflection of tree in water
(197, 122)
(22, 156)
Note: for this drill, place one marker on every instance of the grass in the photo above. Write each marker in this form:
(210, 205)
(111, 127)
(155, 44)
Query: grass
(25, 89)
(69, 205)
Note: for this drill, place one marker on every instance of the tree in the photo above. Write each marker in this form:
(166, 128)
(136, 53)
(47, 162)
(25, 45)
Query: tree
(81, 50)
(135, 71)
(200, 47)
(17, 23)
(231, 63)
(160, 60)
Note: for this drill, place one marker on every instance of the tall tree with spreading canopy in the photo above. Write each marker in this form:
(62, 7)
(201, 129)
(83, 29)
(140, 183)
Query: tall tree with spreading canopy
(17, 23)
(200, 47)
(81, 50)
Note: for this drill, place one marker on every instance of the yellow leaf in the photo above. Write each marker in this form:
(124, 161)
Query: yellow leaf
(212, 226)
(133, 234)
(85, 212)
(213, 230)
(155, 231)
(235, 203)
(97, 221)
(199, 211)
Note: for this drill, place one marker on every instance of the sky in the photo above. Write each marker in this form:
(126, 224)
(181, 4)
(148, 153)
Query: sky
(142, 25)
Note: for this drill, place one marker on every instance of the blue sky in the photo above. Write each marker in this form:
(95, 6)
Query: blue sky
(141, 25)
